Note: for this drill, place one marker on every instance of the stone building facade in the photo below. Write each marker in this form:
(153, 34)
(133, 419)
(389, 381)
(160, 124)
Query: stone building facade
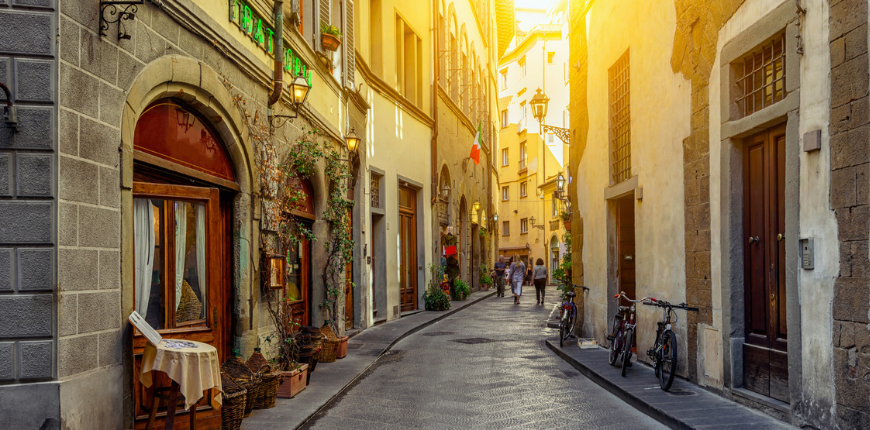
(772, 285)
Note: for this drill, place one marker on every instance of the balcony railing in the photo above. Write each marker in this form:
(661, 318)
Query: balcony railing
(523, 167)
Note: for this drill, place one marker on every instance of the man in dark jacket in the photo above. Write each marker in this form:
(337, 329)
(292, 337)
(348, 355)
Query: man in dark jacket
(498, 268)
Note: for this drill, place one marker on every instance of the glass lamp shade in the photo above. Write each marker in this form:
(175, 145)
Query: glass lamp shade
(445, 192)
(476, 206)
(539, 105)
(495, 217)
(560, 182)
(299, 90)
(532, 220)
(352, 140)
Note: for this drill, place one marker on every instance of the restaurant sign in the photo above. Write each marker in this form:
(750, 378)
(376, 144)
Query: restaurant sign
(252, 25)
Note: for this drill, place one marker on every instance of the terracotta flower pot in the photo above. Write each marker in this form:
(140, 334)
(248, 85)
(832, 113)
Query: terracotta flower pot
(329, 42)
(567, 225)
(342, 347)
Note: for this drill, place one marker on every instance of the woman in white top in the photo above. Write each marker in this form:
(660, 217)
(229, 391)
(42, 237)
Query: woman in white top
(540, 275)
(518, 272)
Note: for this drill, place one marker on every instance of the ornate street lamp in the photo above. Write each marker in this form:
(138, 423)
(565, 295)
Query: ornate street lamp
(477, 206)
(298, 94)
(352, 140)
(445, 192)
(495, 217)
(539, 104)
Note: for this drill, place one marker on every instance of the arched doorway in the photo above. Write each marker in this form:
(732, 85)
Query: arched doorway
(554, 254)
(462, 227)
(183, 188)
(297, 292)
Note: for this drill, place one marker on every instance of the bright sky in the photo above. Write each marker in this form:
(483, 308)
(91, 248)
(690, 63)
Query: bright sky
(527, 20)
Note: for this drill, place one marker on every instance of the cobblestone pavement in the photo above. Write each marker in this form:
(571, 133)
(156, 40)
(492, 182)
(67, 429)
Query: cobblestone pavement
(484, 367)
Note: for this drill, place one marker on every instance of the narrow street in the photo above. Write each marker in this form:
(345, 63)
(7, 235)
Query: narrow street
(484, 367)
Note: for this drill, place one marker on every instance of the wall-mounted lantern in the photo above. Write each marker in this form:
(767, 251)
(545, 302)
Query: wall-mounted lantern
(352, 140)
(298, 94)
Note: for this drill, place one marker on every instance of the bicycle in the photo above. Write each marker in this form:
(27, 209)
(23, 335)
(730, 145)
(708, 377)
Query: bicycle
(664, 351)
(568, 312)
(623, 328)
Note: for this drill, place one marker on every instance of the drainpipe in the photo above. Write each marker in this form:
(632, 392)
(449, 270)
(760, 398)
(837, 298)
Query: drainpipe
(278, 80)
(434, 102)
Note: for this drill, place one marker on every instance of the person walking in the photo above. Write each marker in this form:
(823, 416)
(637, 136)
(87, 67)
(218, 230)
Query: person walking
(541, 277)
(518, 272)
(499, 269)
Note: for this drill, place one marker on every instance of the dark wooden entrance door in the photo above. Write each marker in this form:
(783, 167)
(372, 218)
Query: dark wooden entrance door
(625, 247)
(298, 281)
(408, 248)
(765, 357)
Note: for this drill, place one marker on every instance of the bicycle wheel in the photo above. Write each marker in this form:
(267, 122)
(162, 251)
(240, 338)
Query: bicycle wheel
(615, 344)
(562, 327)
(668, 360)
(626, 351)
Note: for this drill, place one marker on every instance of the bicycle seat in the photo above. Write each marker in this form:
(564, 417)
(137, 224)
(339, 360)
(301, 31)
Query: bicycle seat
(624, 309)
(571, 294)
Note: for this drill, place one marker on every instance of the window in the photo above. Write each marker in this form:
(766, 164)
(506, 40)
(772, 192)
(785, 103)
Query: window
(376, 26)
(550, 137)
(523, 155)
(761, 77)
(524, 226)
(506, 228)
(523, 123)
(566, 119)
(522, 64)
(409, 61)
(504, 118)
(174, 232)
(524, 189)
(505, 193)
(503, 78)
(505, 160)
(620, 121)
(554, 207)
(550, 56)
(565, 71)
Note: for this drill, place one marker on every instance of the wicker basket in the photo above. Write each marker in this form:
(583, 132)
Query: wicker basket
(329, 350)
(242, 375)
(269, 380)
(189, 307)
(233, 407)
(327, 332)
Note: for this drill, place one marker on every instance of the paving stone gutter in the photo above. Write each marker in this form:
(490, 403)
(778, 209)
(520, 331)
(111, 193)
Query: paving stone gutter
(331, 380)
(686, 406)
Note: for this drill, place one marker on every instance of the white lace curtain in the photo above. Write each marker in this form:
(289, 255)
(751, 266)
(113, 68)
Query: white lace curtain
(143, 236)
(200, 253)
(180, 247)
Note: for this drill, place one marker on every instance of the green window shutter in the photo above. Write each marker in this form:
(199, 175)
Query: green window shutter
(349, 48)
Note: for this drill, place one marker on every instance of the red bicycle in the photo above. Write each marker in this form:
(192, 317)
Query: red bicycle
(623, 330)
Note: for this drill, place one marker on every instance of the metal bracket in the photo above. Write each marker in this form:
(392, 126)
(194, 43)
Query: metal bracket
(118, 11)
(563, 133)
(10, 112)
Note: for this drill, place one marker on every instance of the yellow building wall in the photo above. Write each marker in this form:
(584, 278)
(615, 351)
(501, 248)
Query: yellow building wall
(660, 120)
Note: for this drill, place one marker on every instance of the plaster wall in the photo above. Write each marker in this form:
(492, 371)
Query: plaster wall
(660, 112)
(398, 145)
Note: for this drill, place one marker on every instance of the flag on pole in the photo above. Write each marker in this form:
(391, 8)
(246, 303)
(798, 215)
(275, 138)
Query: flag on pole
(475, 147)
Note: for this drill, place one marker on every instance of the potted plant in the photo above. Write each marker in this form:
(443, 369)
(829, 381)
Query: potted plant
(485, 279)
(566, 219)
(285, 345)
(461, 289)
(436, 298)
(330, 37)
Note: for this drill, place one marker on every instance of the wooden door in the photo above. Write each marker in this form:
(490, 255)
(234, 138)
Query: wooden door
(298, 282)
(408, 248)
(625, 247)
(765, 356)
(186, 296)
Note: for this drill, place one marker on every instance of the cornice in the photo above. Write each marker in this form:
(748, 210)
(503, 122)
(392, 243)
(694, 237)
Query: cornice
(385, 90)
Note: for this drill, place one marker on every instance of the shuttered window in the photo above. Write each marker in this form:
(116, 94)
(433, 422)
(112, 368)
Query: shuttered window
(620, 119)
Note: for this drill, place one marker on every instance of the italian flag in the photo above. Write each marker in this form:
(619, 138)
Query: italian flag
(475, 147)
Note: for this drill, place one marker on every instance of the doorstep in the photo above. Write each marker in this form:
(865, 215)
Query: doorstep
(686, 406)
(330, 380)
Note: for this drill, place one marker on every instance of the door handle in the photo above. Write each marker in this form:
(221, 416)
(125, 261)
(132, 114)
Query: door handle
(780, 237)
(753, 240)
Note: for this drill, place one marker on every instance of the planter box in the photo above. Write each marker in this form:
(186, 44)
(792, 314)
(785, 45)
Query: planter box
(342, 347)
(294, 381)
(329, 42)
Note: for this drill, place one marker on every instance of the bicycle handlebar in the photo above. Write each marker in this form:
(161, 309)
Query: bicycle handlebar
(664, 304)
(572, 284)
(622, 294)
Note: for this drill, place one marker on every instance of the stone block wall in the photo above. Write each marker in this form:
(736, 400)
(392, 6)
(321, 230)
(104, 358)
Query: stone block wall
(28, 207)
(850, 163)
(28, 163)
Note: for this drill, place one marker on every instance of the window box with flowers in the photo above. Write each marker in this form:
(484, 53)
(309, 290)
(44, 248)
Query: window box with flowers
(330, 37)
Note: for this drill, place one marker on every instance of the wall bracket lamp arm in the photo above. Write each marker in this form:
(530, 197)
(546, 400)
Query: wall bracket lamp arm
(118, 11)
